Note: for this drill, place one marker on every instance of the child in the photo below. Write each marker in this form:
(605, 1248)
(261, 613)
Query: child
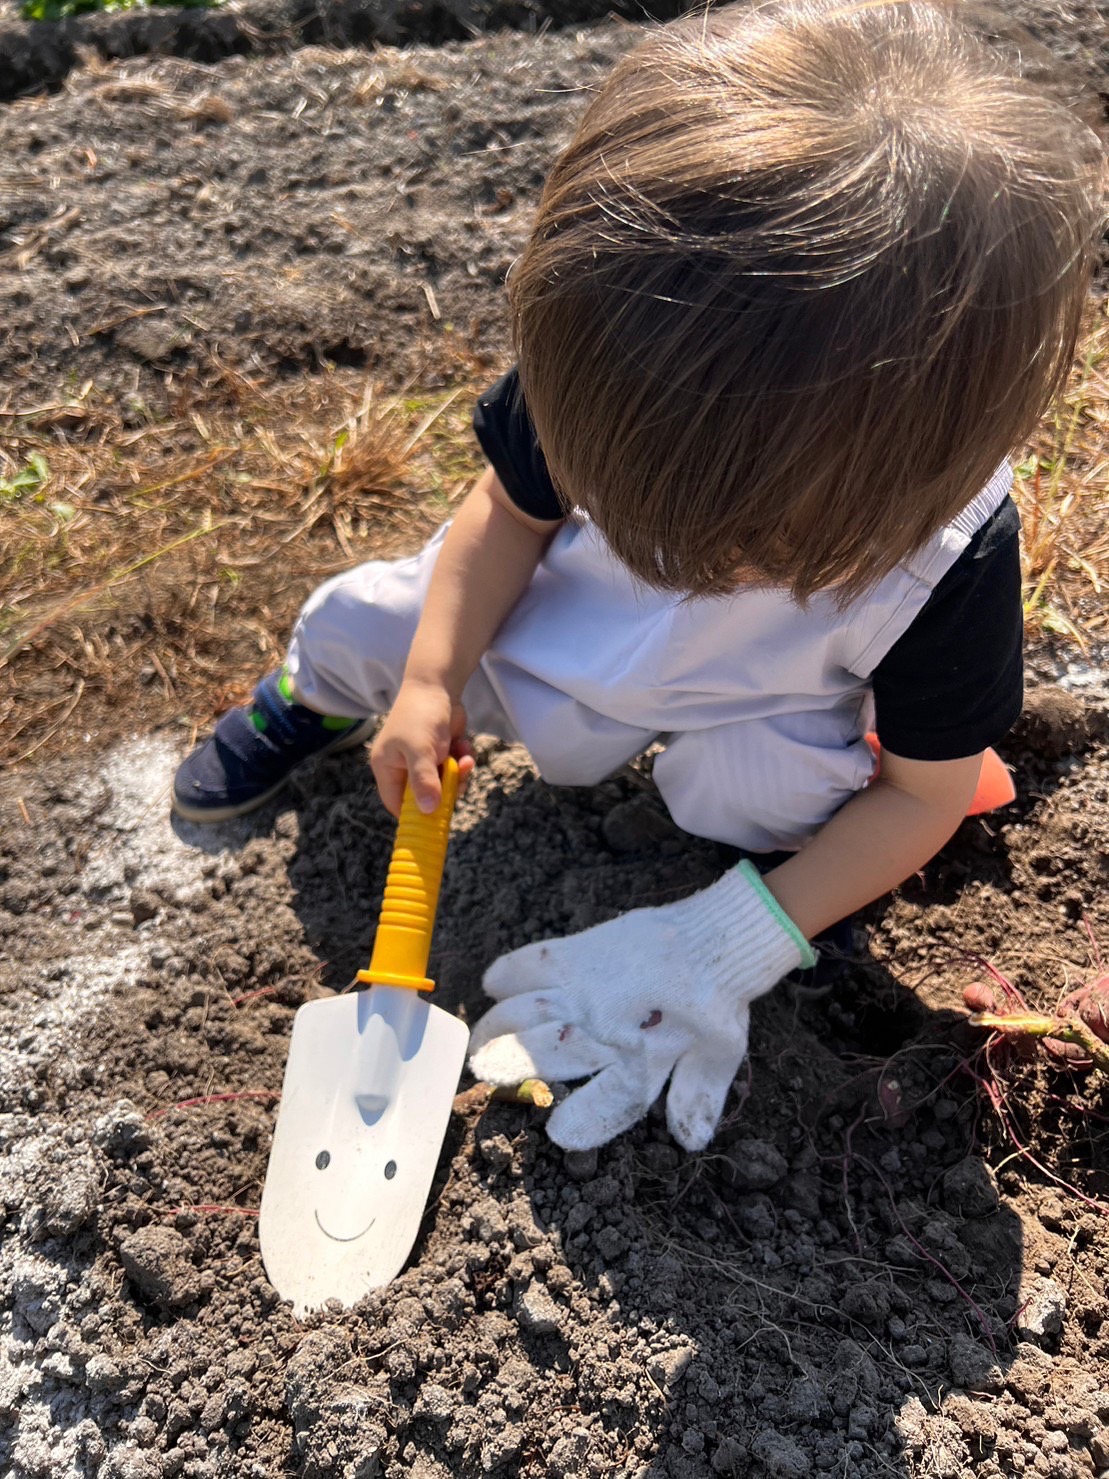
(804, 277)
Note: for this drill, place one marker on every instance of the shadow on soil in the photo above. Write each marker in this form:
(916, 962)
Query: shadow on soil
(790, 1301)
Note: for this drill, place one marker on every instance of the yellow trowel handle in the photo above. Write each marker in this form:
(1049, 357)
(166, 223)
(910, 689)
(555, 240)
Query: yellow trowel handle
(407, 918)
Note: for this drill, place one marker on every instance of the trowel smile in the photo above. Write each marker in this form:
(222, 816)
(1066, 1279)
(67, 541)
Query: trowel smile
(335, 1239)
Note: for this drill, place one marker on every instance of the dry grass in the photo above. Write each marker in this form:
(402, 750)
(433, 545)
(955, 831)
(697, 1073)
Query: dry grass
(152, 567)
(1063, 493)
(152, 570)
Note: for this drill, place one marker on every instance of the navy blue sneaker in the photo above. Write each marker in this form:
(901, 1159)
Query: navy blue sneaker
(255, 750)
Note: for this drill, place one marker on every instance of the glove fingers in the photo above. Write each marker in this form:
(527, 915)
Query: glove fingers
(515, 1015)
(608, 1104)
(537, 967)
(698, 1087)
(553, 1050)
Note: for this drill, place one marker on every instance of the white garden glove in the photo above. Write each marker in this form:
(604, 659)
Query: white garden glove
(656, 994)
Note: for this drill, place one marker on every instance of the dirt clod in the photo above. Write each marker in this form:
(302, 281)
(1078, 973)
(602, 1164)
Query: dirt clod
(668, 1367)
(1042, 1313)
(756, 1165)
(144, 905)
(637, 824)
(159, 1263)
(538, 1313)
(1057, 723)
(781, 1456)
(68, 1203)
(970, 1189)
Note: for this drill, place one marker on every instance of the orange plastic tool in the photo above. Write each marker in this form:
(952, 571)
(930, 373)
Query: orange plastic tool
(368, 1090)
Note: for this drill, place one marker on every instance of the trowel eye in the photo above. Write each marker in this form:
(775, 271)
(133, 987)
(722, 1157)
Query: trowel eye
(323, 1160)
(390, 1170)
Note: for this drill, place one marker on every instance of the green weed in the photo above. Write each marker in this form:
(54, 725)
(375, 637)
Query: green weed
(29, 479)
(62, 10)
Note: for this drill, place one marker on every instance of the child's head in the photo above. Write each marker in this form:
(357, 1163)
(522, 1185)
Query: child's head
(804, 277)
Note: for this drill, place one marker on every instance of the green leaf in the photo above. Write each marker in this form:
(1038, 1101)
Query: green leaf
(28, 479)
(60, 10)
(1053, 620)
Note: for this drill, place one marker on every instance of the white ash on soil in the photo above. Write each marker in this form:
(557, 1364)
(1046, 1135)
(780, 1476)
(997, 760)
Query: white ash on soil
(78, 956)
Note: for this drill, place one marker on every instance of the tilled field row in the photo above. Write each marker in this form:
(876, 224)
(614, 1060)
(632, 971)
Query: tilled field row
(37, 55)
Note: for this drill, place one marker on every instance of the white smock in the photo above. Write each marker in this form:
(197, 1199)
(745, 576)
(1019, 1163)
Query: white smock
(762, 704)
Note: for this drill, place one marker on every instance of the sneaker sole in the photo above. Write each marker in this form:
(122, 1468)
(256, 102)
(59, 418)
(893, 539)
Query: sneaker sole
(358, 736)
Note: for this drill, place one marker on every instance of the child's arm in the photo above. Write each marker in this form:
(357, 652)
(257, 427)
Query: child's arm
(880, 838)
(487, 560)
(662, 994)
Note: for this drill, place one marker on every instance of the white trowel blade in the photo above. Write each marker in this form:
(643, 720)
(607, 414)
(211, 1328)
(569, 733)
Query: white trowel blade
(368, 1090)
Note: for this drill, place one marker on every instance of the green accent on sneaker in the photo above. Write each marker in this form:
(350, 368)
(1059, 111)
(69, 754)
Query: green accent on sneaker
(285, 686)
(754, 877)
(258, 720)
(329, 721)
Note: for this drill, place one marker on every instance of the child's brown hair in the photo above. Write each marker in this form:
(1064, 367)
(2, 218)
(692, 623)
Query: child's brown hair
(804, 277)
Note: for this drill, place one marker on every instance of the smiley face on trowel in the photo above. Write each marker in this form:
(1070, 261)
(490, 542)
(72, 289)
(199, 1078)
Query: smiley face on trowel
(368, 1091)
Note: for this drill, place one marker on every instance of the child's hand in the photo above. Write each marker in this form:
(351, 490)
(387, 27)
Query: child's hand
(655, 995)
(424, 726)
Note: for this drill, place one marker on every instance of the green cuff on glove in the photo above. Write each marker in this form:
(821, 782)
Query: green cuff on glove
(754, 877)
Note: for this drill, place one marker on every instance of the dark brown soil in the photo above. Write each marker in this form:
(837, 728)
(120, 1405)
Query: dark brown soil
(34, 56)
(841, 1284)
(276, 215)
(275, 212)
(863, 1276)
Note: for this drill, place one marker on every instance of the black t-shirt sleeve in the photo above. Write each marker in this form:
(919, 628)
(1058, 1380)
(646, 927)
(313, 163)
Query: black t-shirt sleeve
(953, 684)
(508, 440)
